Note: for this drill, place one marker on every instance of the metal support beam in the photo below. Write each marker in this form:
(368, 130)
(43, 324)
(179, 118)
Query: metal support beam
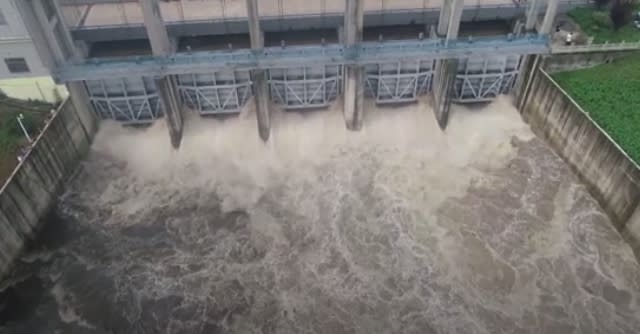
(167, 86)
(549, 17)
(259, 77)
(353, 74)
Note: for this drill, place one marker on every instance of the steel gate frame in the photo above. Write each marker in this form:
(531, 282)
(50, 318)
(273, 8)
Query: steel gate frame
(138, 108)
(324, 89)
(476, 84)
(419, 82)
(227, 98)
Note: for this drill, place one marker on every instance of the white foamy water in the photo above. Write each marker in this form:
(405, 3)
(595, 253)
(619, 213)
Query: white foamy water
(228, 155)
(398, 228)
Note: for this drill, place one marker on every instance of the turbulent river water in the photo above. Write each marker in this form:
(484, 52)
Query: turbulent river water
(399, 228)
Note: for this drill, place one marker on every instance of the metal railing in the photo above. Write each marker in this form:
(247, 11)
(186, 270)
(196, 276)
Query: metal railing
(622, 46)
(364, 53)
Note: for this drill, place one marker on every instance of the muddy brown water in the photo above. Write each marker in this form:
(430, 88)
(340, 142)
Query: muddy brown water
(399, 228)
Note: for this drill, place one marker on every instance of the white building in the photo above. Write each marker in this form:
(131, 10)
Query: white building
(18, 55)
(22, 73)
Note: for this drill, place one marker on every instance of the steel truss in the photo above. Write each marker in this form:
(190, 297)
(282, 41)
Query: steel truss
(399, 82)
(483, 79)
(220, 92)
(128, 100)
(305, 87)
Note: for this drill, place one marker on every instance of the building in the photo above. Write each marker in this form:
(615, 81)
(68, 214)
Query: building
(22, 73)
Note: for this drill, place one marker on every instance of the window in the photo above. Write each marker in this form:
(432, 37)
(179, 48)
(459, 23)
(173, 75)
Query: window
(2, 19)
(17, 65)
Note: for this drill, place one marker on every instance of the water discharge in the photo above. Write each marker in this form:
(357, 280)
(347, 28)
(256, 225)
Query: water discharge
(399, 228)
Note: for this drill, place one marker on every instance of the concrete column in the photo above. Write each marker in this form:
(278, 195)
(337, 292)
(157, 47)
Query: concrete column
(81, 101)
(167, 86)
(443, 20)
(449, 20)
(532, 15)
(445, 72)
(549, 17)
(156, 31)
(353, 74)
(259, 77)
(455, 16)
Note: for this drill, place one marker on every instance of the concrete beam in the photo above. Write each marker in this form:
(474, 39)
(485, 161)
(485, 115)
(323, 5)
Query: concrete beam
(354, 79)
(532, 15)
(443, 20)
(167, 86)
(168, 92)
(455, 16)
(156, 30)
(549, 17)
(353, 22)
(445, 71)
(259, 77)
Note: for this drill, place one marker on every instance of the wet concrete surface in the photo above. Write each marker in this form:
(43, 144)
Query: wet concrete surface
(392, 237)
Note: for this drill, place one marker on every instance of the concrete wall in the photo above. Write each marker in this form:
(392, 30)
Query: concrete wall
(30, 191)
(20, 48)
(14, 26)
(38, 88)
(611, 176)
(575, 61)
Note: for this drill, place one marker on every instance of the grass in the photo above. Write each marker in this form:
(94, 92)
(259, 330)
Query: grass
(610, 93)
(587, 19)
(12, 138)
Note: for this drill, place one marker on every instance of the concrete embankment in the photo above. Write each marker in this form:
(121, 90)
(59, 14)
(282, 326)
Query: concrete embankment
(609, 173)
(31, 190)
(580, 60)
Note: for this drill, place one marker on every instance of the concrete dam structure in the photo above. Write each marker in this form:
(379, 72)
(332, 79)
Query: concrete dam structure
(353, 166)
(140, 61)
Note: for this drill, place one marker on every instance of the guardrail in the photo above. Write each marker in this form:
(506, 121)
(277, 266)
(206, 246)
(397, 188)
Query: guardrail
(623, 46)
(274, 57)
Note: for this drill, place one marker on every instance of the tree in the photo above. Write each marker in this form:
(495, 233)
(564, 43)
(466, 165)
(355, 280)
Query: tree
(601, 3)
(621, 13)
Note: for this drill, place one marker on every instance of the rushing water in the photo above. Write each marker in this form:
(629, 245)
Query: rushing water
(399, 228)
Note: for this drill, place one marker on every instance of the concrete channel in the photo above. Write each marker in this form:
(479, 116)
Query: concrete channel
(364, 209)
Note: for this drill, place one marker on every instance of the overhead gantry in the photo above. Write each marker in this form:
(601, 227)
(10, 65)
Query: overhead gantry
(171, 80)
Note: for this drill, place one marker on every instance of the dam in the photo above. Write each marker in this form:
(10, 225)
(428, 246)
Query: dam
(363, 175)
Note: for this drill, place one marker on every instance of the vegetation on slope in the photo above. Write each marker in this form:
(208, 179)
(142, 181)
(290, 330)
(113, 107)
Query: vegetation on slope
(12, 138)
(597, 24)
(610, 93)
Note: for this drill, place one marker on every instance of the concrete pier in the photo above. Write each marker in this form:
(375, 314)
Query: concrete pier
(353, 74)
(259, 77)
(549, 17)
(532, 15)
(167, 88)
(445, 71)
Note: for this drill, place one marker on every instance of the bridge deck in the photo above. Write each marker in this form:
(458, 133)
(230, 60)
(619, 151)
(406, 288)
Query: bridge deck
(365, 53)
(129, 13)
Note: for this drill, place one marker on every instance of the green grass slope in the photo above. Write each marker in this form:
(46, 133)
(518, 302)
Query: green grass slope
(610, 93)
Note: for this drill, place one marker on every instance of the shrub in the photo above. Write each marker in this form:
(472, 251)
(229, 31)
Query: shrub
(621, 13)
(601, 19)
